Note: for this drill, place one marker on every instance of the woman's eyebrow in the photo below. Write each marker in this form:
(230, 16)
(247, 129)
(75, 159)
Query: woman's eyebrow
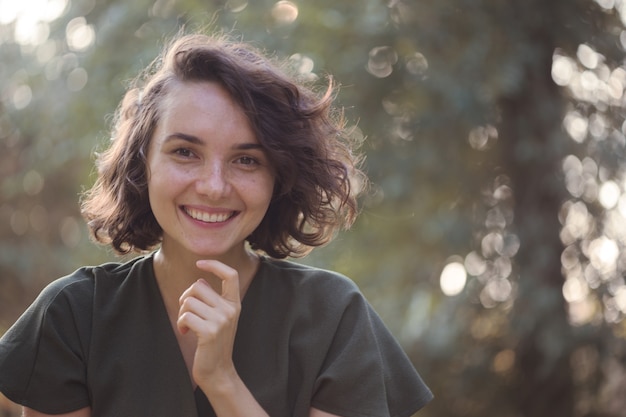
(247, 146)
(244, 146)
(187, 138)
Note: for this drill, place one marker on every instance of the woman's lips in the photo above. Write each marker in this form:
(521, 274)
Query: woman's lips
(207, 217)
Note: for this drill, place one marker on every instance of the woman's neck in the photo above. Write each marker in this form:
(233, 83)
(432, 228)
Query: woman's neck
(175, 272)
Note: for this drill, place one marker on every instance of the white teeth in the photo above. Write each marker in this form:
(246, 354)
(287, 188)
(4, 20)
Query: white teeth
(208, 217)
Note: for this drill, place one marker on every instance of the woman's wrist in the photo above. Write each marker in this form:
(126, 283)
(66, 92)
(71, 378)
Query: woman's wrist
(220, 383)
(230, 397)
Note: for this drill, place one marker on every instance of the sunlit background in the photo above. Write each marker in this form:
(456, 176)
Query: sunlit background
(492, 241)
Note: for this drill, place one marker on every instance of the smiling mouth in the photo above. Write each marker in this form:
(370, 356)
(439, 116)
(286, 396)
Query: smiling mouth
(205, 217)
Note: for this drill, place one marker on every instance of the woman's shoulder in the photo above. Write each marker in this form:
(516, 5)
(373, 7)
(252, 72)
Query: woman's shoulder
(297, 274)
(306, 285)
(80, 284)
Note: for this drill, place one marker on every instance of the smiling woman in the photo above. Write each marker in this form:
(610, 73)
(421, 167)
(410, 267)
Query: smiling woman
(213, 177)
(221, 165)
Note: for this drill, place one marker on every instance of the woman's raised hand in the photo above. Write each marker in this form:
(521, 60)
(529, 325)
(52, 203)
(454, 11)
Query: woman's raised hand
(212, 317)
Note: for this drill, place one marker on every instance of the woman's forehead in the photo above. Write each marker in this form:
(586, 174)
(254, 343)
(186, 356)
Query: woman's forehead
(201, 110)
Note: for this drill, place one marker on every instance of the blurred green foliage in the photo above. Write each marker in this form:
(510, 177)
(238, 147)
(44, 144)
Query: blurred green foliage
(492, 240)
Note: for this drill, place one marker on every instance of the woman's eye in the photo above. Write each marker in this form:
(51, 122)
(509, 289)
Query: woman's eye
(246, 160)
(184, 152)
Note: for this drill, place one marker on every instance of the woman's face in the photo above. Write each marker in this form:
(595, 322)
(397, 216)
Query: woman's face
(209, 180)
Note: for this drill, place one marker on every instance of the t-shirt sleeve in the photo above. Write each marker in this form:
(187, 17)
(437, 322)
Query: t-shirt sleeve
(43, 355)
(366, 373)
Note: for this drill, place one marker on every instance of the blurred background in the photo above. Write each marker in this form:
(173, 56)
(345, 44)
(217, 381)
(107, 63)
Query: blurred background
(492, 242)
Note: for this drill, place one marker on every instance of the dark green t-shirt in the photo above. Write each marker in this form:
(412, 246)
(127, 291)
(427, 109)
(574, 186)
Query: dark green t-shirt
(101, 337)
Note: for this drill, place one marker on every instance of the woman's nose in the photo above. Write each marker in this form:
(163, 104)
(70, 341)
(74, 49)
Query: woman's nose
(213, 181)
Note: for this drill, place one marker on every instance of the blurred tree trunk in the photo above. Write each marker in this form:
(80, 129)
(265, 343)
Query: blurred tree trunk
(536, 145)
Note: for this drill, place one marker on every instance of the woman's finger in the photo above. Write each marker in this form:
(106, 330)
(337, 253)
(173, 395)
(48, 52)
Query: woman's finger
(228, 275)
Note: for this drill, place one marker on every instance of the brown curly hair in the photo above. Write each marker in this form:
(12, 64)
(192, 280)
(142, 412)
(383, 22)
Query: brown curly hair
(304, 136)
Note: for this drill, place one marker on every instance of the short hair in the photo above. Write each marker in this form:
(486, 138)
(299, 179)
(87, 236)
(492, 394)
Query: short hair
(317, 173)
